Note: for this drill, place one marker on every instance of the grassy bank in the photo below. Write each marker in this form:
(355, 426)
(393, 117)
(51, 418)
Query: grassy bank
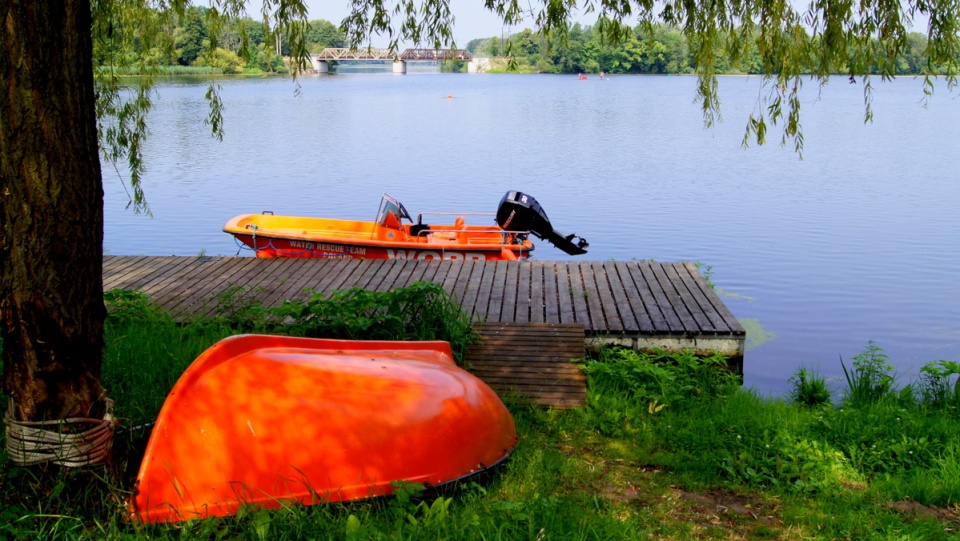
(668, 447)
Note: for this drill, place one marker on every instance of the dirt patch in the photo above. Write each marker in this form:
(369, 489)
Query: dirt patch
(726, 503)
(948, 514)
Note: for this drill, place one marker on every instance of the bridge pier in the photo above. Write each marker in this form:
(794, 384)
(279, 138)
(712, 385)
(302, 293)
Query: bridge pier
(399, 66)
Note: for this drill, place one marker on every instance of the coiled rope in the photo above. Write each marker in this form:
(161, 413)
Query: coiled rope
(73, 442)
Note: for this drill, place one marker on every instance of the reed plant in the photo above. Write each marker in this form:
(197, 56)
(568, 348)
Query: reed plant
(870, 379)
(810, 389)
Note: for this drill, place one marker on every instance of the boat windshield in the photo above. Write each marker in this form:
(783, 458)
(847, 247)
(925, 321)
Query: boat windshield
(389, 205)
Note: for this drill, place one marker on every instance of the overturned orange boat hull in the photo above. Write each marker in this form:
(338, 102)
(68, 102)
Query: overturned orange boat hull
(265, 420)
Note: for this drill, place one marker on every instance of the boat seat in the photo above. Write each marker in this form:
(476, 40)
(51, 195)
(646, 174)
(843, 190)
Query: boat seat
(455, 234)
(390, 228)
(461, 226)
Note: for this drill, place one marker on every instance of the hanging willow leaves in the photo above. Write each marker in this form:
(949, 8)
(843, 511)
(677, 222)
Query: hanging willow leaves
(133, 36)
(825, 38)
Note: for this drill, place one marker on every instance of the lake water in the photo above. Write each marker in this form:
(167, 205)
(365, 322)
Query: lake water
(858, 241)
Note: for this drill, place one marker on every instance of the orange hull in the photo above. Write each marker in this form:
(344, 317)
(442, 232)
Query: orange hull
(297, 236)
(265, 419)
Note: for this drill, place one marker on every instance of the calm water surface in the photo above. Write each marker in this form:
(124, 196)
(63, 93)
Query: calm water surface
(855, 242)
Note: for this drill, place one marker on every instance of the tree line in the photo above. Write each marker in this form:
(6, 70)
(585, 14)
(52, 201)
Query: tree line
(246, 45)
(659, 49)
(200, 38)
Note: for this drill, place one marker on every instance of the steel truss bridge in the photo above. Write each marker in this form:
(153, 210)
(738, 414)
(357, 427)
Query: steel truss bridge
(409, 55)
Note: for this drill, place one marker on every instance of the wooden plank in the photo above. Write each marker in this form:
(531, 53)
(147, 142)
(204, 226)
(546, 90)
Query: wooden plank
(497, 290)
(551, 297)
(704, 323)
(537, 305)
(247, 284)
(336, 277)
(395, 276)
(402, 278)
(531, 361)
(471, 296)
(591, 295)
(564, 294)
(182, 290)
(373, 273)
(196, 298)
(133, 272)
(610, 308)
(730, 321)
(620, 298)
(451, 274)
(439, 271)
(532, 328)
(522, 314)
(152, 270)
(674, 300)
(481, 307)
(578, 297)
(419, 271)
(166, 272)
(534, 371)
(275, 282)
(116, 270)
(291, 287)
(649, 318)
(655, 299)
(460, 283)
(508, 312)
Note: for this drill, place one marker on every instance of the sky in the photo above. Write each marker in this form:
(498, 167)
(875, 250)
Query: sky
(473, 20)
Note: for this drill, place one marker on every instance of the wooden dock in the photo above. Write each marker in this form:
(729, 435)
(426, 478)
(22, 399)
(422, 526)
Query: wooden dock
(533, 311)
(639, 304)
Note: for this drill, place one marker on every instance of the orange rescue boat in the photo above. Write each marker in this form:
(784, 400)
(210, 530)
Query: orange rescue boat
(264, 420)
(388, 237)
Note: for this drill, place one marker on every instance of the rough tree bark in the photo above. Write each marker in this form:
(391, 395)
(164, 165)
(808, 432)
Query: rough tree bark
(51, 207)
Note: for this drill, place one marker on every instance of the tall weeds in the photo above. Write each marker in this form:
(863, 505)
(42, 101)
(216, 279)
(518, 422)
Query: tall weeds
(871, 377)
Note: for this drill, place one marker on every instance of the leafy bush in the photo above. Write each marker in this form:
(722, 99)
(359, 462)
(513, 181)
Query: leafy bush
(125, 305)
(660, 377)
(809, 388)
(421, 311)
(936, 390)
(870, 380)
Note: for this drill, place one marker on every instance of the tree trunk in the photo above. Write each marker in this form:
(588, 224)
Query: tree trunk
(51, 207)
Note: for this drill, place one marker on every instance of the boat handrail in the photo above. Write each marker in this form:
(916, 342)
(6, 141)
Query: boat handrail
(421, 215)
(425, 232)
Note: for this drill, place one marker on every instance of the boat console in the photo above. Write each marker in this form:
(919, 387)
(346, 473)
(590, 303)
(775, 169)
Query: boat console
(521, 212)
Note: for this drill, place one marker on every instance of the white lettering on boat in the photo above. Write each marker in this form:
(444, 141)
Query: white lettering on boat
(328, 248)
(427, 254)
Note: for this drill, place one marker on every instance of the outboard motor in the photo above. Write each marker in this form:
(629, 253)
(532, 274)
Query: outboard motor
(521, 212)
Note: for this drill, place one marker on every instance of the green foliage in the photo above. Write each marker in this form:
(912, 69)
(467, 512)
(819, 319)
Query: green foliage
(809, 388)
(627, 386)
(613, 470)
(226, 61)
(870, 379)
(935, 386)
(790, 463)
(146, 38)
(661, 376)
(421, 311)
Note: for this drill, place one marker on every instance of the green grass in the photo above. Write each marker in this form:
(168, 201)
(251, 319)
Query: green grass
(667, 448)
